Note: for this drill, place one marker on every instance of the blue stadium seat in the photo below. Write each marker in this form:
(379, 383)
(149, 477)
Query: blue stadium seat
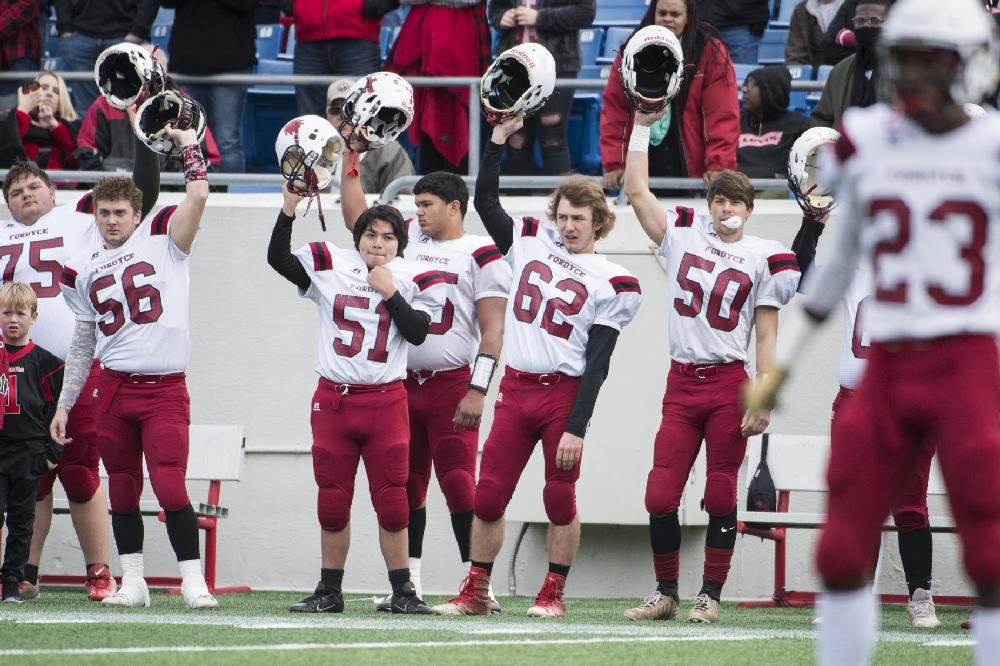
(164, 16)
(785, 13)
(799, 99)
(613, 42)
(583, 133)
(52, 46)
(268, 108)
(289, 51)
(591, 40)
(273, 66)
(620, 12)
(386, 38)
(160, 35)
(268, 41)
(772, 47)
(812, 99)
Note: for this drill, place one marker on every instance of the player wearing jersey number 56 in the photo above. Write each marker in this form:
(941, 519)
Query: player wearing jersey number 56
(130, 298)
(563, 320)
(372, 305)
(721, 284)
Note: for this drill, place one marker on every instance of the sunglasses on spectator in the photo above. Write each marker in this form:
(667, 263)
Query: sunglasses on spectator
(867, 21)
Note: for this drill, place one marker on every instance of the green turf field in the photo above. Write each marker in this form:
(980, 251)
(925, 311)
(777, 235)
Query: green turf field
(63, 627)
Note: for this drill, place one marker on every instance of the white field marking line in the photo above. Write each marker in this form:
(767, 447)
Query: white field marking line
(283, 647)
(463, 626)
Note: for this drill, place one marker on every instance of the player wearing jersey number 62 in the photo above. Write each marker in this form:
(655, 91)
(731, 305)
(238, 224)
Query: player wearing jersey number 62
(563, 320)
(721, 284)
(130, 298)
(372, 305)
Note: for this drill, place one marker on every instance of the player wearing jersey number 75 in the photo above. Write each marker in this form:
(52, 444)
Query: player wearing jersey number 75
(721, 284)
(130, 298)
(372, 305)
(562, 323)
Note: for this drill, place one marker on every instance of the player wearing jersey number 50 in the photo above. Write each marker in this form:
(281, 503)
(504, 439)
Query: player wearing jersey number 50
(372, 305)
(131, 303)
(721, 284)
(563, 320)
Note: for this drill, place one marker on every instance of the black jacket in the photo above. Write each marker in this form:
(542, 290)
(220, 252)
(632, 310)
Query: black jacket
(725, 13)
(106, 18)
(198, 46)
(557, 26)
(765, 143)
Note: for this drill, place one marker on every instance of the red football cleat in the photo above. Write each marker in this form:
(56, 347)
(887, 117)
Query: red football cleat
(100, 584)
(473, 597)
(549, 602)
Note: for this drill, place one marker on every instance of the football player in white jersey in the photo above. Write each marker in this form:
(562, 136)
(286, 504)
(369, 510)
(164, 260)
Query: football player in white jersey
(722, 283)
(920, 193)
(130, 297)
(372, 306)
(563, 320)
(910, 512)
(449, 374)
(34, 245)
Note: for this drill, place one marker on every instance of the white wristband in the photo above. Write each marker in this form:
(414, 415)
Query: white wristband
(639, 140)
(482, 372)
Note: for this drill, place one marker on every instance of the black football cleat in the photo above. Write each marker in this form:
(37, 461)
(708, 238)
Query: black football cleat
(407, 601)
(320, 601)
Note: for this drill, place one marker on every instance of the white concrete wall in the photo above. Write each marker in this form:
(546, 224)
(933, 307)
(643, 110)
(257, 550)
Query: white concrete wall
(254, 350)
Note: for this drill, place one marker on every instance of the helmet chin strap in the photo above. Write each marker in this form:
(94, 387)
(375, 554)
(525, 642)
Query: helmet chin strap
(312, 191)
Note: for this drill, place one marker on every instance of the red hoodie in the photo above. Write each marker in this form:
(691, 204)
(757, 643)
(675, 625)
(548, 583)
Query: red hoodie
(316, 20)
(710, 121)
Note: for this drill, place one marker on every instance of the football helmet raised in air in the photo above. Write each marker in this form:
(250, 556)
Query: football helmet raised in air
(813, 195)
(378, 108)
(308, 149)
(127, 74)
(168, 107)
(962, 27)
(518, 81)
(651, 70)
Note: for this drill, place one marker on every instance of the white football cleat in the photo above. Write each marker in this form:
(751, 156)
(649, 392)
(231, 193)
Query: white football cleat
(132, 595)
(197, 597)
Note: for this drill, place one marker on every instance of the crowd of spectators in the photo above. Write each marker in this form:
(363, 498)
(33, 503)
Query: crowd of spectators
(707, 128)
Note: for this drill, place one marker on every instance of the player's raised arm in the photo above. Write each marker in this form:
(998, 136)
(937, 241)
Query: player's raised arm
(352, 196)
(648, 210)
(279, 250)
(186, 219)
(145, 170)
(498, 223)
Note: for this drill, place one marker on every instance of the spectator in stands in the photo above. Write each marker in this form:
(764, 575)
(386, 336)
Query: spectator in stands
(333, 37)
(87, 27)
(199, 47)
(838, 42)
(767, 128)
(555, 24)
(806, 30)
(854, 81)
(20, 43)
(383, 164)
(741, 24)
(45, 122)
(441, 115)
(698, 137)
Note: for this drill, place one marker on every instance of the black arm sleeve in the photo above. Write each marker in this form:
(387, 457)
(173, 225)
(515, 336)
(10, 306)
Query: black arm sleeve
(498, 223)
(279, 254)
(600, 345)
(412, 324)
(804, 245)
(146, 176)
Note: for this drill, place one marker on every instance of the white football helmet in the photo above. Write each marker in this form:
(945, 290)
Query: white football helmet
(169, 106)
(127, 73)
(812, 194)
(961, 26)
(308, 149)
(651, 68)
(379, 107)
(518, 81)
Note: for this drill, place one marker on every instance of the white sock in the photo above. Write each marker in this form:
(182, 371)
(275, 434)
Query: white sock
(847, 635)
(986, 631)
(191, 576)
(415, 575)
(132, 569)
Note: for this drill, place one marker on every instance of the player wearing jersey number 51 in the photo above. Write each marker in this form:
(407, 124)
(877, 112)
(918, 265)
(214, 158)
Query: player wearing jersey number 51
(721, 284)
(372, 305)
(131, 303)
(563, 320)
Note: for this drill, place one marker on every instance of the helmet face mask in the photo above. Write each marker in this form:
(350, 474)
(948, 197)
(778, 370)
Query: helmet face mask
(378, 108)
(128, 74)
(308, 149)
(651, 69)
(168, 107)
(811, 193)
(520, 80)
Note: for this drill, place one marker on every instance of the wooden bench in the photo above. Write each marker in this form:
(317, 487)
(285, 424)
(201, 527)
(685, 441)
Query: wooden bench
(215, 455)
(798, 464)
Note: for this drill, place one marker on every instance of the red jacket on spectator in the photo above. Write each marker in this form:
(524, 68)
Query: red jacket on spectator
(60, 141)
(316, 20)
(710, 121)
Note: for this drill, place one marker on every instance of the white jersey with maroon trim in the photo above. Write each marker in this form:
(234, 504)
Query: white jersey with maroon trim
(473, 268)
(923, 212)
(713, 287)
(138, 294)
(358, 341)
(36, 253)
(556, 299)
